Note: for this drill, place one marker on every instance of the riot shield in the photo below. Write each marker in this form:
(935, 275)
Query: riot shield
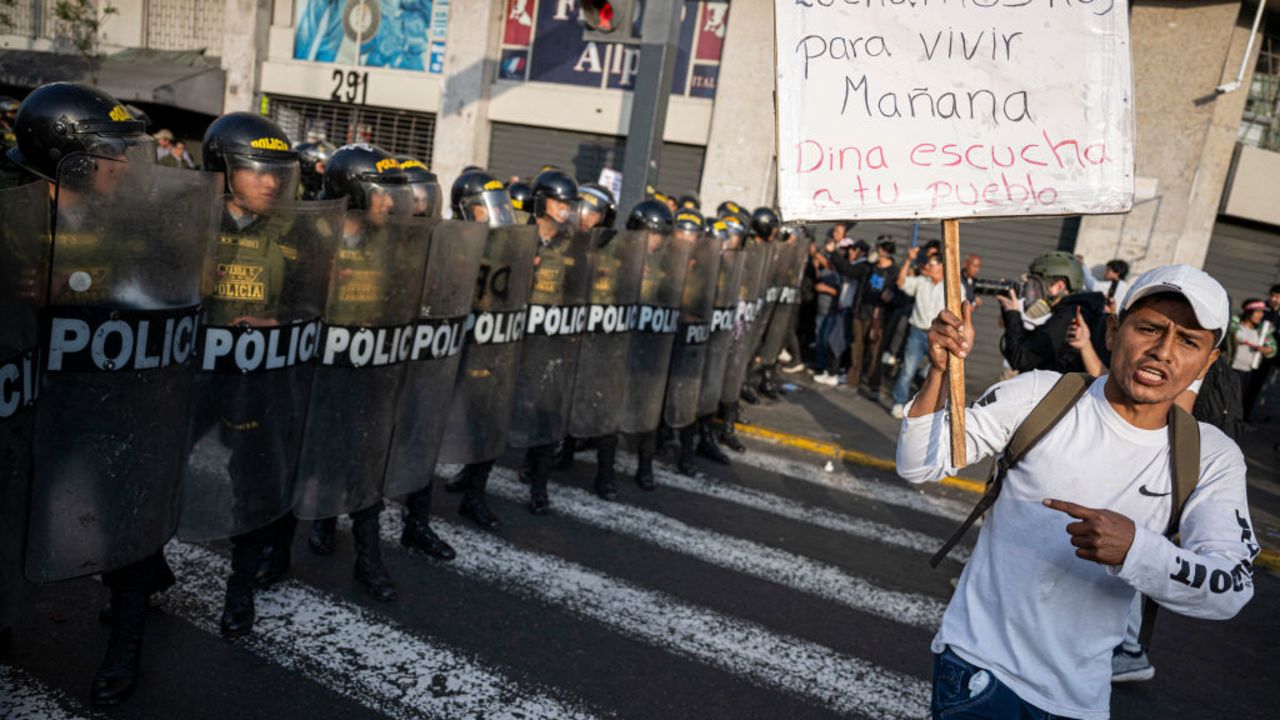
(452, 266)
(259, 333)
(553, 333)
(602, 358)
(369, 332)
(131, 245)
(728, 280)
(24, 269)
(480, 410)
(788, 274)
(750, 295)
(654, 325)
(690, 350)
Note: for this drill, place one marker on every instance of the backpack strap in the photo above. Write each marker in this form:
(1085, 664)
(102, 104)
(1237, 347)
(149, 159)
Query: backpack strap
(1043, 417)
(1184, 442)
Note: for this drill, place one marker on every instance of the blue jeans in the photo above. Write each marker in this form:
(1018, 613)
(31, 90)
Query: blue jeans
(913, 357)
(957, 695)
(821, 348)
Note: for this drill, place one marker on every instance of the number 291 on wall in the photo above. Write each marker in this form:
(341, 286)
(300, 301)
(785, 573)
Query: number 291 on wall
(350, 87)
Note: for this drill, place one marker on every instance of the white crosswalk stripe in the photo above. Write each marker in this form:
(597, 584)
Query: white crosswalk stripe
(841, 682)
(357, 654)
(23, 697)
(745, 556)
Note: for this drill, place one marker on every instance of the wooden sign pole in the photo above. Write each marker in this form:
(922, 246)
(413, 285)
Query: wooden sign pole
(955, 365)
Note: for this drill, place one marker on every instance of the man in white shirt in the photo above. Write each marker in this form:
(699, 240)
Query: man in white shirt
(1078, 528)
(931, 297)
(1113, 283)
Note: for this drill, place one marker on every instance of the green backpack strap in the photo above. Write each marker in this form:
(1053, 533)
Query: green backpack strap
(1184, 441)
(1043, 417)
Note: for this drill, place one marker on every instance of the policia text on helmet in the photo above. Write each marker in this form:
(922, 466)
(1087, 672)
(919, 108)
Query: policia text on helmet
(478, 196)
(371, 180)
(254, 154)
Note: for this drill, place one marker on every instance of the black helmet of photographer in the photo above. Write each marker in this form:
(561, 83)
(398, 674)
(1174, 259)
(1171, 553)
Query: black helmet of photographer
(477, 196)
(598, 199)
(311, 154)
(554, 185)
(359, 171)
(62, 119)
(764, 223)
(424, 184)
(651, 215)
(248, 142)
(521, 196)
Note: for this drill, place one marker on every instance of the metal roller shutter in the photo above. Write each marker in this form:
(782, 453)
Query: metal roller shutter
(400, 132)
(1245, 258)
(522, 149)
(1006, 246)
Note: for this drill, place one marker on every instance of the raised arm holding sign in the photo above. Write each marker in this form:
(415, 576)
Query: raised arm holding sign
(943, 111)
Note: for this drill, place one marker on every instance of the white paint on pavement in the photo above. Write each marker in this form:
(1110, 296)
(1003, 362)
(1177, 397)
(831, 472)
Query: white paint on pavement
(23, 697)
(745, 556)
(842, 682)
(356, 653)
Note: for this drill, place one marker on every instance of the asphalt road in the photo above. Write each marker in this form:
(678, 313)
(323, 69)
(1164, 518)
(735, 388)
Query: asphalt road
(770, 589)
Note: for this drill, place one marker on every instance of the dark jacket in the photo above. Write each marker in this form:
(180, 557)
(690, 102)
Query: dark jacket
(1046, 348)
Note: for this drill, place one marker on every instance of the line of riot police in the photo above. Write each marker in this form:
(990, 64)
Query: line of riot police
(204, 355)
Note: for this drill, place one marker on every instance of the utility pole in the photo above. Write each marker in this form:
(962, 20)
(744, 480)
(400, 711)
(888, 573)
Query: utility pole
(660, 35)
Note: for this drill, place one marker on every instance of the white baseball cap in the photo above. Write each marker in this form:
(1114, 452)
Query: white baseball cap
(1207, 297)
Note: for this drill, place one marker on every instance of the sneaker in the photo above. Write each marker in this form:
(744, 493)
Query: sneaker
(1130, 666)
(784, 357)
(888, 360)
(826, 379)
(792, 369)
(897, 412)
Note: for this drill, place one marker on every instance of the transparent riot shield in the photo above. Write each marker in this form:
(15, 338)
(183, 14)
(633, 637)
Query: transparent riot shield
(132, 244)
(431, 375)
(723, 321)
(480, 411)
(602, 360)
(654, 325)
(690, 350)
(24, 269)
(260, 331)
(748, 316)
(788, 274)
(555, 325)
(370, 318)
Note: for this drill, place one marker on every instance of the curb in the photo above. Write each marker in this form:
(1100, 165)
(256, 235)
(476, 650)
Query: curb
(1267, 558)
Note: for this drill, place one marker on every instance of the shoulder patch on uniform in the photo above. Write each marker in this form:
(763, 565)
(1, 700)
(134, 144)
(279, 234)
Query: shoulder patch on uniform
(289, 252)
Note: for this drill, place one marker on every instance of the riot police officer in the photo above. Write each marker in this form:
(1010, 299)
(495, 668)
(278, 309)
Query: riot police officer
(105, 244)
(765, 227)
(271, 261)
(312, 157)
(736, 227)
(424, 184)
(521, 201)
(596, 207)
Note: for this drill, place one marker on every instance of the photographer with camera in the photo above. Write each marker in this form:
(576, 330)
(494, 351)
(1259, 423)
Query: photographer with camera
(1051, 298)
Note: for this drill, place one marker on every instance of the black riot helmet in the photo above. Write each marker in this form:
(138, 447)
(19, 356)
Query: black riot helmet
(62, 119)
(521, 196)
(478, 196)
(424, 184)
(729, 207)
(689, 223)
(690, 201)
(367, 176)
(256, 157)
(312, 157)
(652, 215)
(554, 185)
(596, 206)
(139, 114)
(764, 223)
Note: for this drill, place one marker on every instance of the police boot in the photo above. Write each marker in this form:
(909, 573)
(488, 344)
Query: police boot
(748, 395)
(605, 473)
(474, 507)
(277, 557)
(237, 609)
(707, 445)
(767, 388)
(321, 538)
(684, 463)
(564, 456)
(119, 671)
(417, 536)
(728, 431)
(538, 461)
(370, 573)
(644, 461)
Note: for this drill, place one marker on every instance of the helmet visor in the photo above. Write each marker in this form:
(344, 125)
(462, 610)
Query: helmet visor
(132, 147)
(387, 198)
(258, 184)
(492, 207)
(426, 198)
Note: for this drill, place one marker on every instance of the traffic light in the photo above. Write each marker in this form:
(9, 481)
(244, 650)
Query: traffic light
(609, 21)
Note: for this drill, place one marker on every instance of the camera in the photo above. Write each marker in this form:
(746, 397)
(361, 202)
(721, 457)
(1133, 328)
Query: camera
(986, 286)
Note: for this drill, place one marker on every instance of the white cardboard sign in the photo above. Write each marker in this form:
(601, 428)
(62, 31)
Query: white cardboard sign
(903, 109)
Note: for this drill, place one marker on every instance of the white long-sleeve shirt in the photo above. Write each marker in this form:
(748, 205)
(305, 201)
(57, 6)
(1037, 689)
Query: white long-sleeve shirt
(1026, 608)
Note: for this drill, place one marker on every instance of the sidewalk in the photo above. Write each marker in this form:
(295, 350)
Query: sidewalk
(815, 417)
